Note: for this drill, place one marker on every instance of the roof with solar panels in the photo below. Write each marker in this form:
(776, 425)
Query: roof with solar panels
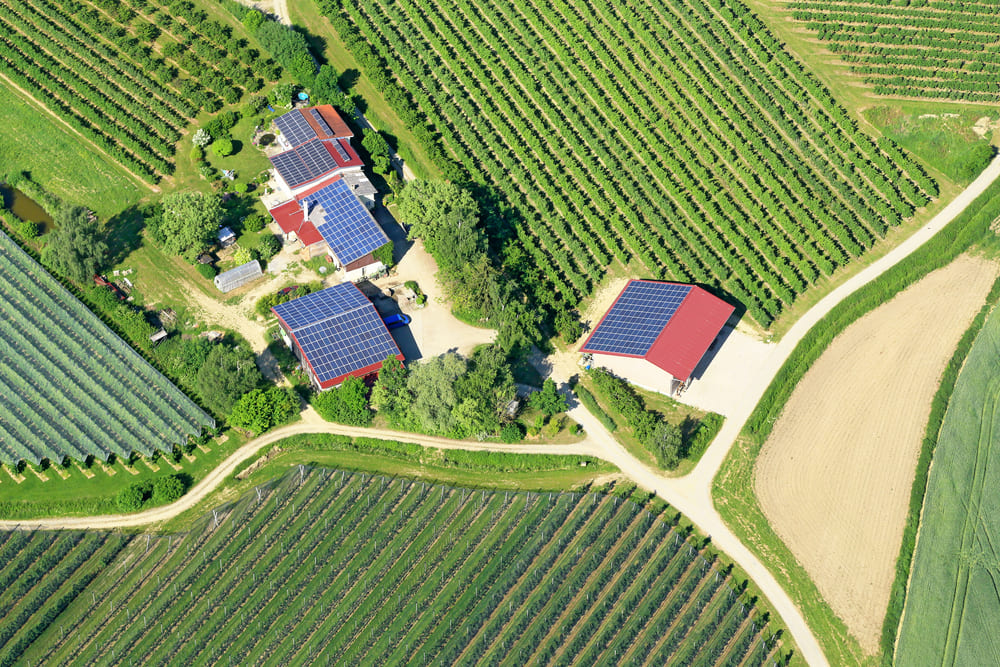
(671, 325)
(338, 332)
(332, 213)
(319, 144)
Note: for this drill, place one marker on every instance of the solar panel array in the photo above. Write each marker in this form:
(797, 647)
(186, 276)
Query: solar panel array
(321, 122)
(295, 128)
(303, 164)
(344, 157)
(321, 305)
(339, 330)
(347, 226)
(637, 318)
(291, 168)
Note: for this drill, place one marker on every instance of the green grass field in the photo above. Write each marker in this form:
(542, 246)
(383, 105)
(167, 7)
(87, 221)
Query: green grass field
(953, 603)
(55, 156)
(352, 568)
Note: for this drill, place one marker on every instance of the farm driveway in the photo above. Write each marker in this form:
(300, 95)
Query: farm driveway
(834, 478)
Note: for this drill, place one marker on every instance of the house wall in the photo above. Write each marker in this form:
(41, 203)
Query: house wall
(638, 371)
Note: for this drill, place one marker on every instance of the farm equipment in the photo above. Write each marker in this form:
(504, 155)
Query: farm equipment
(103, 282)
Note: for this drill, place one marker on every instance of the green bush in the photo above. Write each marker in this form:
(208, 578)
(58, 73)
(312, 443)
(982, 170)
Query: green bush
(384, 254)
(511, 433)
(268, 247)
(134, 496)
(197, 153)
(222, 147)
(254, 222)
(167, 489)
(595, 409)
(207, 271)
(702, 437)
(346, 404)
(240, 188)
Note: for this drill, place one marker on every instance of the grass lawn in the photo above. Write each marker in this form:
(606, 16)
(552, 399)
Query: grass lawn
(61, 160)
(81, 495)
(952, 599)
(947, 142)
(279, 463)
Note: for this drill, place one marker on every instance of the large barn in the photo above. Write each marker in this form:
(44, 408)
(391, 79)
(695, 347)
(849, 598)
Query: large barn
(336, 333)
(656, 333)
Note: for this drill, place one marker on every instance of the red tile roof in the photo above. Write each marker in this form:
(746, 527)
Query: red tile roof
(332, 118)
(291, 220)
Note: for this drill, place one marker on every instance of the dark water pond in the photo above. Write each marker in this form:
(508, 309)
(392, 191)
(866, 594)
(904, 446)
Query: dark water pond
(25, 208)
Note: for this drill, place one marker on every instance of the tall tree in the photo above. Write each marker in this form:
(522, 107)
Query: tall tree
(188, 222)
(76, 249)
(485, 391)
(445, 216)
(227, 374)
(432, 384)
(390, 395)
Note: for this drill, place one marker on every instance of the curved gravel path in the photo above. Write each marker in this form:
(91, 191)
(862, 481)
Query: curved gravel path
(691, 495)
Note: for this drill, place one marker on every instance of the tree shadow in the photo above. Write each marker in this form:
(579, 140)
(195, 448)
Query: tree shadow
(348, 79)
(124, 233)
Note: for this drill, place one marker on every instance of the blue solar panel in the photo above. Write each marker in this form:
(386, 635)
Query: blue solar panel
(344, 157)
(323, 125)
(321, 305)
(637, 318)
(338, 330)
(295, 128)
(347, 226)
(291, 168)
(316, 158)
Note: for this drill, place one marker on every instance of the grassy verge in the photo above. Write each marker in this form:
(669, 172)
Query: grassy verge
(939, 406)
(488, 470)
(733, 487)
(698, 427)
(60, 160)
(70, 492)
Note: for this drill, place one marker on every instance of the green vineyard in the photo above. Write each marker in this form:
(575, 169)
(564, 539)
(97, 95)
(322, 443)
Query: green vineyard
(942, 49)
(68, 385)
(336, 568)
(678, 134)
(127, 76)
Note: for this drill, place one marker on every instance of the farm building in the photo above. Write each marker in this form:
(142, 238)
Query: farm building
(656, 333)
(336, 333)
(317, 146)
(330, 218)
(229, 280)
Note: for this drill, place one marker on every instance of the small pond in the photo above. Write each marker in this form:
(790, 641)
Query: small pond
(20, 205)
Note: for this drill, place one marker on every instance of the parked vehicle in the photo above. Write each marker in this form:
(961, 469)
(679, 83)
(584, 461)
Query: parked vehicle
(396, 321)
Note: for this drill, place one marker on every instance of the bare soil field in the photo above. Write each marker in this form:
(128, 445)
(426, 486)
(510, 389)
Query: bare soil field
(834, 478)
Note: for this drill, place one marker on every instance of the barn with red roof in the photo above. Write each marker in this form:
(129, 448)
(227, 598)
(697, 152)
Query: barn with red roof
(336, 333)
(660, 325)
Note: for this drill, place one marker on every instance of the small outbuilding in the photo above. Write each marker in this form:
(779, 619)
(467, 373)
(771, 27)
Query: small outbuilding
(226, 237)
(658, 331)
(241, 275)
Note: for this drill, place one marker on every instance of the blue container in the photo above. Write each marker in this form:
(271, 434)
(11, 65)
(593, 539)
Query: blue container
(303, 96)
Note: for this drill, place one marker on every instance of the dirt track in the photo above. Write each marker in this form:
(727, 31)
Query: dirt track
(834, 478)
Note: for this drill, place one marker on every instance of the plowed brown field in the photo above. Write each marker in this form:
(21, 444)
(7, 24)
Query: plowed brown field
(834, 478)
